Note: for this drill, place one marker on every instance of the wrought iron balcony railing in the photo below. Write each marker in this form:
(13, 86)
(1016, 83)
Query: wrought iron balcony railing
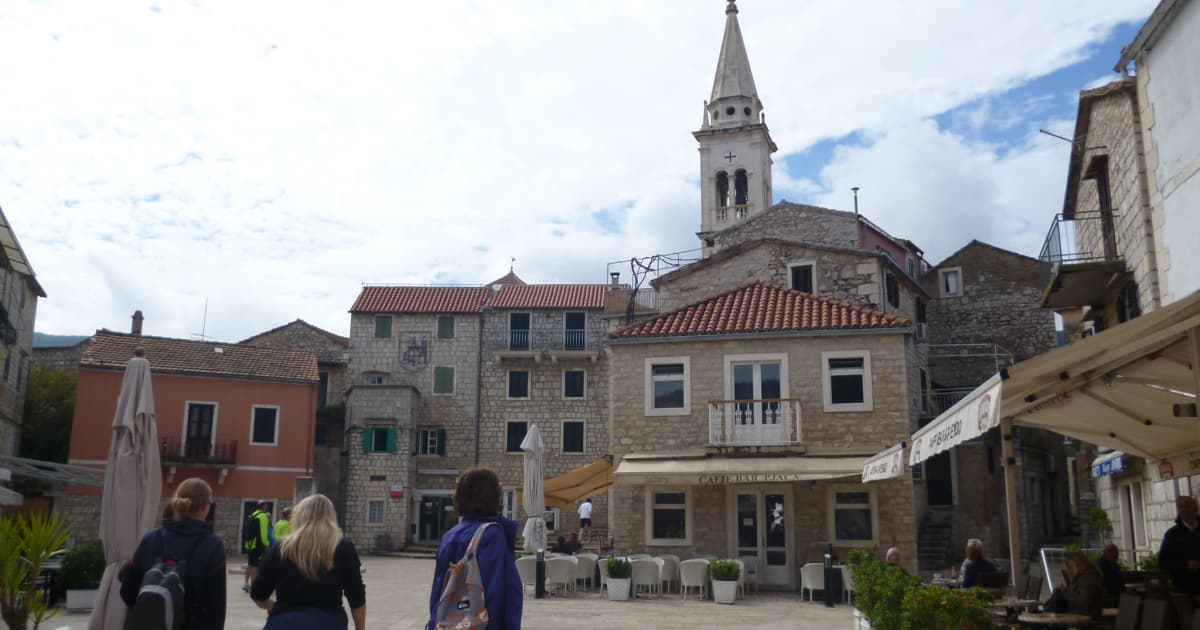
(197, 452)
(1085, 237)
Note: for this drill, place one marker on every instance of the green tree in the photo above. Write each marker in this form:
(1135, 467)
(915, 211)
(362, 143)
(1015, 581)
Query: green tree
(49, 406)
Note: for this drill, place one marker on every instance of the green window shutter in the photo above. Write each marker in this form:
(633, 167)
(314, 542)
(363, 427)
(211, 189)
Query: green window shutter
(445, 327)
(383, 326)
(443, 380)
(441, 441)
(391, 440)
(367, 433)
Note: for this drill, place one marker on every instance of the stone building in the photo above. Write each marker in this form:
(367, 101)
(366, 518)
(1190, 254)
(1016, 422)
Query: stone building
(332, 352)
(19, 293)
(445, 378)
(59, 357)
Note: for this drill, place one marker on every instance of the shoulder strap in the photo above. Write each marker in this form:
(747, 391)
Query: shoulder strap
(162, 546)
(474, 544)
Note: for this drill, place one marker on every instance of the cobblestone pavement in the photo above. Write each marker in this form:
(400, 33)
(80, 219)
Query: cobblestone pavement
(398, 599)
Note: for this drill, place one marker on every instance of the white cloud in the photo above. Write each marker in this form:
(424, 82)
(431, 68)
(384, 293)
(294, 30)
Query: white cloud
(271, 156)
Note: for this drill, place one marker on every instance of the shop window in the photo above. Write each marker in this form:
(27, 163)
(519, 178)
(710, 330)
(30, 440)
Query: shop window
(852, 515)
(667, 387)
(668, 516)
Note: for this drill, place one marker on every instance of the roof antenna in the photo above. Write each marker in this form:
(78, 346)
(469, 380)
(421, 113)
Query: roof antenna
(512, 262)
(857, 229)
(203, 324)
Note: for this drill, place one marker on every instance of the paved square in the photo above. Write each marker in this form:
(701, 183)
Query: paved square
(398, 599)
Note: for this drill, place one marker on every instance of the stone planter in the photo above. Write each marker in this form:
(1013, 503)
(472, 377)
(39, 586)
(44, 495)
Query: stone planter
(80, 600)
(618, 589)
(724, 591)
(860, 621)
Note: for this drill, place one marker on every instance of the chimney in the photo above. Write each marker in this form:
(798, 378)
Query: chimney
(136, 328)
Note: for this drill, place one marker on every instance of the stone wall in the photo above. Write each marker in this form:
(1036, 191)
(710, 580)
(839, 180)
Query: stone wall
(793, 222)
(60, 357)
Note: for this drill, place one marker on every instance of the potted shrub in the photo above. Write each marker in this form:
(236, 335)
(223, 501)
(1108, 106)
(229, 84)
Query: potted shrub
(879, 591)
(938, 608)
(725, 575)
(80, 574)
(619, 573)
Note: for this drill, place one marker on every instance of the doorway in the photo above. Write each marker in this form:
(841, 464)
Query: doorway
(756, 390)
(198, 432)
(436, 516)
(762, 529)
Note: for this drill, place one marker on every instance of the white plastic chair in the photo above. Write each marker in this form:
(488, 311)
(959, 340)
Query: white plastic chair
(847, 585)
(527, 569)
(638, 556)
(750, 571)
(670, 569)
(561, 572)
(693, 574)
(603, 564)
(585, 568)
(741, 579)
(812, 577)
(646, 573)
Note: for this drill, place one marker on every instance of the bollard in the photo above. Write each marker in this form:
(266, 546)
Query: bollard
(539, 591)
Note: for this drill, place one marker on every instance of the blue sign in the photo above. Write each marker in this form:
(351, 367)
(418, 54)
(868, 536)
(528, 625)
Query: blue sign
(1114, 465)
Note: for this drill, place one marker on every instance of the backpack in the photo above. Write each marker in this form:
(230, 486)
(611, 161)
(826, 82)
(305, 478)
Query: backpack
(251, 532)
(462, 604)
(160, 599)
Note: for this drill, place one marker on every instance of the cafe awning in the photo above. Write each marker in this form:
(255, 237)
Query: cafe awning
(887, 464)
(568, 488)
(719, 470)
(969, 418)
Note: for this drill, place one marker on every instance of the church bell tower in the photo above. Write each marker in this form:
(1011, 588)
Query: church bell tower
(735, 145)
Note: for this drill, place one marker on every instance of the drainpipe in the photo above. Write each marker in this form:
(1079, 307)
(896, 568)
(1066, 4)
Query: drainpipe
(478, 385)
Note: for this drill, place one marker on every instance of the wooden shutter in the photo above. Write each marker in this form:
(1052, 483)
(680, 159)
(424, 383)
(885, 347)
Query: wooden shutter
(383, 326)
(441, 441)
(443, 380)
(367, 435)
(445, 328)
(391, 440)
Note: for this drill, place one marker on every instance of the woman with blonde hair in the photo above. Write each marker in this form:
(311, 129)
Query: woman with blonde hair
(185, 536)
(1083, 591)
(309, 572)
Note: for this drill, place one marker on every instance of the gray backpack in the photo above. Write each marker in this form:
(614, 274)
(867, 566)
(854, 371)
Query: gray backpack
(160, 599)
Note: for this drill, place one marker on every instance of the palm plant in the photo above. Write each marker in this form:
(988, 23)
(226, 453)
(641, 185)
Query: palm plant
(25, 543)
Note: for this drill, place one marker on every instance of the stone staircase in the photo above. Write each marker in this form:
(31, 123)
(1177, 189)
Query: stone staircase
(596, 542)
(935, 541)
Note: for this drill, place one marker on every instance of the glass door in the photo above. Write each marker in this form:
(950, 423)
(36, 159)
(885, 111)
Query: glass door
(761, 532)
(757, 415)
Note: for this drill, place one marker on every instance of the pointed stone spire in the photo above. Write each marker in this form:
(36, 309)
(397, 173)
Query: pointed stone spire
(733, 66)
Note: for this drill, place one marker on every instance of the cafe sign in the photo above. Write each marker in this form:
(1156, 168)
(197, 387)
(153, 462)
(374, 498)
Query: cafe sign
(886, 465)
(969, 418)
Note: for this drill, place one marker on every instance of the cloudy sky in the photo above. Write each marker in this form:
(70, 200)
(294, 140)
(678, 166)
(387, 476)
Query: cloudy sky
(270, 157)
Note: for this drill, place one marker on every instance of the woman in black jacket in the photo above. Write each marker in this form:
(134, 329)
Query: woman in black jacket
(187, 537)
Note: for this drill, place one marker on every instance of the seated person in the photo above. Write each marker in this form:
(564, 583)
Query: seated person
(893, 557)
(1083, 592)
(560, 546)
(1114, 582)
(975, 564)
(573, 546)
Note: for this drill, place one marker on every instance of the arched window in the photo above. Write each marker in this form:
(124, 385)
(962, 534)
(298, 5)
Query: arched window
(722, 189)
(741, 188)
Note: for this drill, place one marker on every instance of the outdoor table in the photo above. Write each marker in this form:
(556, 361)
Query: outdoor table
(1037, 620)
(1110, 612)
(1012, 602)
(947, 582)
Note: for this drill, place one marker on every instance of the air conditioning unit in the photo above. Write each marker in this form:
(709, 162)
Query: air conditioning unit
(922, 332)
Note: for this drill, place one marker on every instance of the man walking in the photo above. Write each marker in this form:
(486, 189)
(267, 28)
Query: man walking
(255, 534)
(1180, 551)
(585, 518)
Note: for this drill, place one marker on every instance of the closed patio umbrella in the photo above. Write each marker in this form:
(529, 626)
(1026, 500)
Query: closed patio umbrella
(132, 488)
(531, 494)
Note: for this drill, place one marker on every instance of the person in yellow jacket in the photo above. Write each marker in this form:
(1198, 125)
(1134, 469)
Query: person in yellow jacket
(255, 540)
(283, 526)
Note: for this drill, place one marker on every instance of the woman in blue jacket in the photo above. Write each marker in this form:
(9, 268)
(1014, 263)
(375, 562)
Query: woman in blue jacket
(477, 500)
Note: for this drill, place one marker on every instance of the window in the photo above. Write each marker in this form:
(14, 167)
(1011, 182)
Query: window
(574, 384)
(951, 281)
(200, 428)
(443, 380)
(508, 505)
(518, 331)
(383, 326)
(375, 512)
(800, 276)
(264, 424)
(322, 389)
(379, 440)
(892, 285)
(852, 515)
(668, 517)
(431, 442)
(576, 332)
(445, 327)
(755, 379)
(376, 378)
(551, 518)
(847, 376)
(514, 434)
(518, 384)
(320, 434)
(920, 311)
(1128, 304)
(667, 389)
(912, 266)
(572, 436)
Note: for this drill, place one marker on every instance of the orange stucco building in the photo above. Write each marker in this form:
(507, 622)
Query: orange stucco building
(241, 417)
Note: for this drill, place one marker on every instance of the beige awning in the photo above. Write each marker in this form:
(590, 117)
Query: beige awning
(719, 470)
(564, 490)
(887, 464)
(976, 414)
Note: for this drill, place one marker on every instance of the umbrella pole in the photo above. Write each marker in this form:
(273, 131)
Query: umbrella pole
(1010, 498)
(539, 588)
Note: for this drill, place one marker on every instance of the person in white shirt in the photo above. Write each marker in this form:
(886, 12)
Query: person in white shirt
(585, 518)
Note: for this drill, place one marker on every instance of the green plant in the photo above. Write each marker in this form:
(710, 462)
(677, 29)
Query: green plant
(1149, 563)
(932, 607)
(83, 566)
(619, 568)
(25, 543)
(724, 570)
(879, 589)
(1098, 521)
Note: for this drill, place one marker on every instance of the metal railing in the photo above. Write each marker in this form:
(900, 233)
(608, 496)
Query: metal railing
(542, 340)
(574, 339)
(518, 339)
(937, 401)
(202, 452)
(762, 422)
(1082, 238)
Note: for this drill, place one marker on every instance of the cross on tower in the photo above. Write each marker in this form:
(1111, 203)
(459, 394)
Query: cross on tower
(729, 156)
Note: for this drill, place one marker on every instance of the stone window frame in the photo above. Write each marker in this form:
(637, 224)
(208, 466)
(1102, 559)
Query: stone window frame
(803, 263)
(508, 385)
(507, 424)
(453, 380)
(563, 391)
(562, 437)
(868, 403)
(379, 319)
(431, 435)
(648, 375)
(648, 514)
(382, 512)
(254, 412)
(831, 492)
(942, 273)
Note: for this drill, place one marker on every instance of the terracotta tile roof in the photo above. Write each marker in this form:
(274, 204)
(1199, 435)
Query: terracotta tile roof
(587, 296)
(509, 278)
(760, 308)
(379, 299)
(111, 350)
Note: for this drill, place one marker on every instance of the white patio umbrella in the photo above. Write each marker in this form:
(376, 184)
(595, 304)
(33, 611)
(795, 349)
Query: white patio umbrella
(132, 488)
(532, 498)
